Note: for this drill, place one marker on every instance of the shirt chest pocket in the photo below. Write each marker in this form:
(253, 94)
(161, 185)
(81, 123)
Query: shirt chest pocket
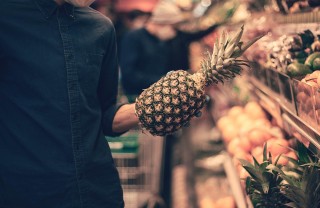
(89, 69)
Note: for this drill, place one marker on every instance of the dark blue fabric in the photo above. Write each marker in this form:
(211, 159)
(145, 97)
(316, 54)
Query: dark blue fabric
(144, 59)
(58, 87)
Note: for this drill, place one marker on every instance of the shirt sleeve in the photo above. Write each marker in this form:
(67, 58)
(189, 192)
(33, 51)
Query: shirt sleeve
(108, 83)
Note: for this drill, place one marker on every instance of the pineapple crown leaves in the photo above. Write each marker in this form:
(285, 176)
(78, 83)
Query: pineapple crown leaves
(263, 178)
(270, 183)
(223, 63)
(306, 193)
(304, 190)
(304, 155)
(263, 184)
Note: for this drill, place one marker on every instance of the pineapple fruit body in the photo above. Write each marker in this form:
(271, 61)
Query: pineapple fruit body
(170, 103)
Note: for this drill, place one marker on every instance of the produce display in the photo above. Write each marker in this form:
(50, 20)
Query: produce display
(246, 129)
(295, 55)
(290, 68)
(170, 103)
(276, 172)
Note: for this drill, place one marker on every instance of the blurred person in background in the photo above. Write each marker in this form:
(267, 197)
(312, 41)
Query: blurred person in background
(132, 20)
(150, 52)
(58, 88)
(136, 19)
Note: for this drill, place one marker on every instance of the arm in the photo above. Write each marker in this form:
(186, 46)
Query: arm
(116, 119)
(108, 84)
(125, 118)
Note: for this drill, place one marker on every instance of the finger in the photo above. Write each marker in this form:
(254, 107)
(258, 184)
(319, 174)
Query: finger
(170, 72)
(187, 124)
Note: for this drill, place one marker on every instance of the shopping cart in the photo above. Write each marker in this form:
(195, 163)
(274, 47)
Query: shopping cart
(139, 160)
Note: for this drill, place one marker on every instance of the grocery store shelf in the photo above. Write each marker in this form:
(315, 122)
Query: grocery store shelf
(308, 17)
(233, 177)
(286, 117)
(302, 131)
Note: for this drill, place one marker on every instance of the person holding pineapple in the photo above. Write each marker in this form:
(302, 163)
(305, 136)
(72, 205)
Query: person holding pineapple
(58, 88)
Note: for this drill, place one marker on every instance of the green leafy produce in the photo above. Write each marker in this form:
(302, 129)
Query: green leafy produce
(309, 61)
(316, 64)
(298, 69)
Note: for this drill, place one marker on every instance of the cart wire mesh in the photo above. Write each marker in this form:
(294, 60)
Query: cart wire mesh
(138, 158)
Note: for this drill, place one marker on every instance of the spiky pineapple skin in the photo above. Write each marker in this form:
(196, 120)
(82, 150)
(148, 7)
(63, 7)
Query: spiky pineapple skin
(170, 103)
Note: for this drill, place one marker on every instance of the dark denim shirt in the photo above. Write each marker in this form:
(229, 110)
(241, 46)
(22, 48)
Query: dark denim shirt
(58, 87)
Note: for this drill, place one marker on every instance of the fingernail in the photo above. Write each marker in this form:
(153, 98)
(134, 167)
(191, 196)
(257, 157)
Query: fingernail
(207, 98)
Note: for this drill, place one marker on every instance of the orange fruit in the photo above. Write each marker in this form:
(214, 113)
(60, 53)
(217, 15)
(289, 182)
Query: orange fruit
(233, 146)
(245, 144)
(278, 146)
(257, 137)
(235, 111)
(223, 122)
(226, 202)
(254, 110)
(229, 133)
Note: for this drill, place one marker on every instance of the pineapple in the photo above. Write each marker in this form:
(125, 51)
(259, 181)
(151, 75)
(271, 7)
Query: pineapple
(303, 190)
(272, 185)
(170, 103)
(264, 183)
(305, 193)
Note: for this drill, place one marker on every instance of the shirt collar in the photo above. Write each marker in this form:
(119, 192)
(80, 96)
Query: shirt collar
(48, 7)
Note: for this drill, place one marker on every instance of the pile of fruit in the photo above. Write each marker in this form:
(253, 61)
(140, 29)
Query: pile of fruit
(275, 173)
(295, 55)
(308, 65)
(246, 129)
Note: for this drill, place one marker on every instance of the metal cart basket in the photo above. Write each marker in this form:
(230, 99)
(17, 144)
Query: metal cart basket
(139, 160)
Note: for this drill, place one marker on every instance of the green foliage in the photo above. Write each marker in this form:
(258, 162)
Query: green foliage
(272, 185)
(263, 184)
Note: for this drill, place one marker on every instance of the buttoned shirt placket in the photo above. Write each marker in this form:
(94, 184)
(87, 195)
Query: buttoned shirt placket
(65, 19)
